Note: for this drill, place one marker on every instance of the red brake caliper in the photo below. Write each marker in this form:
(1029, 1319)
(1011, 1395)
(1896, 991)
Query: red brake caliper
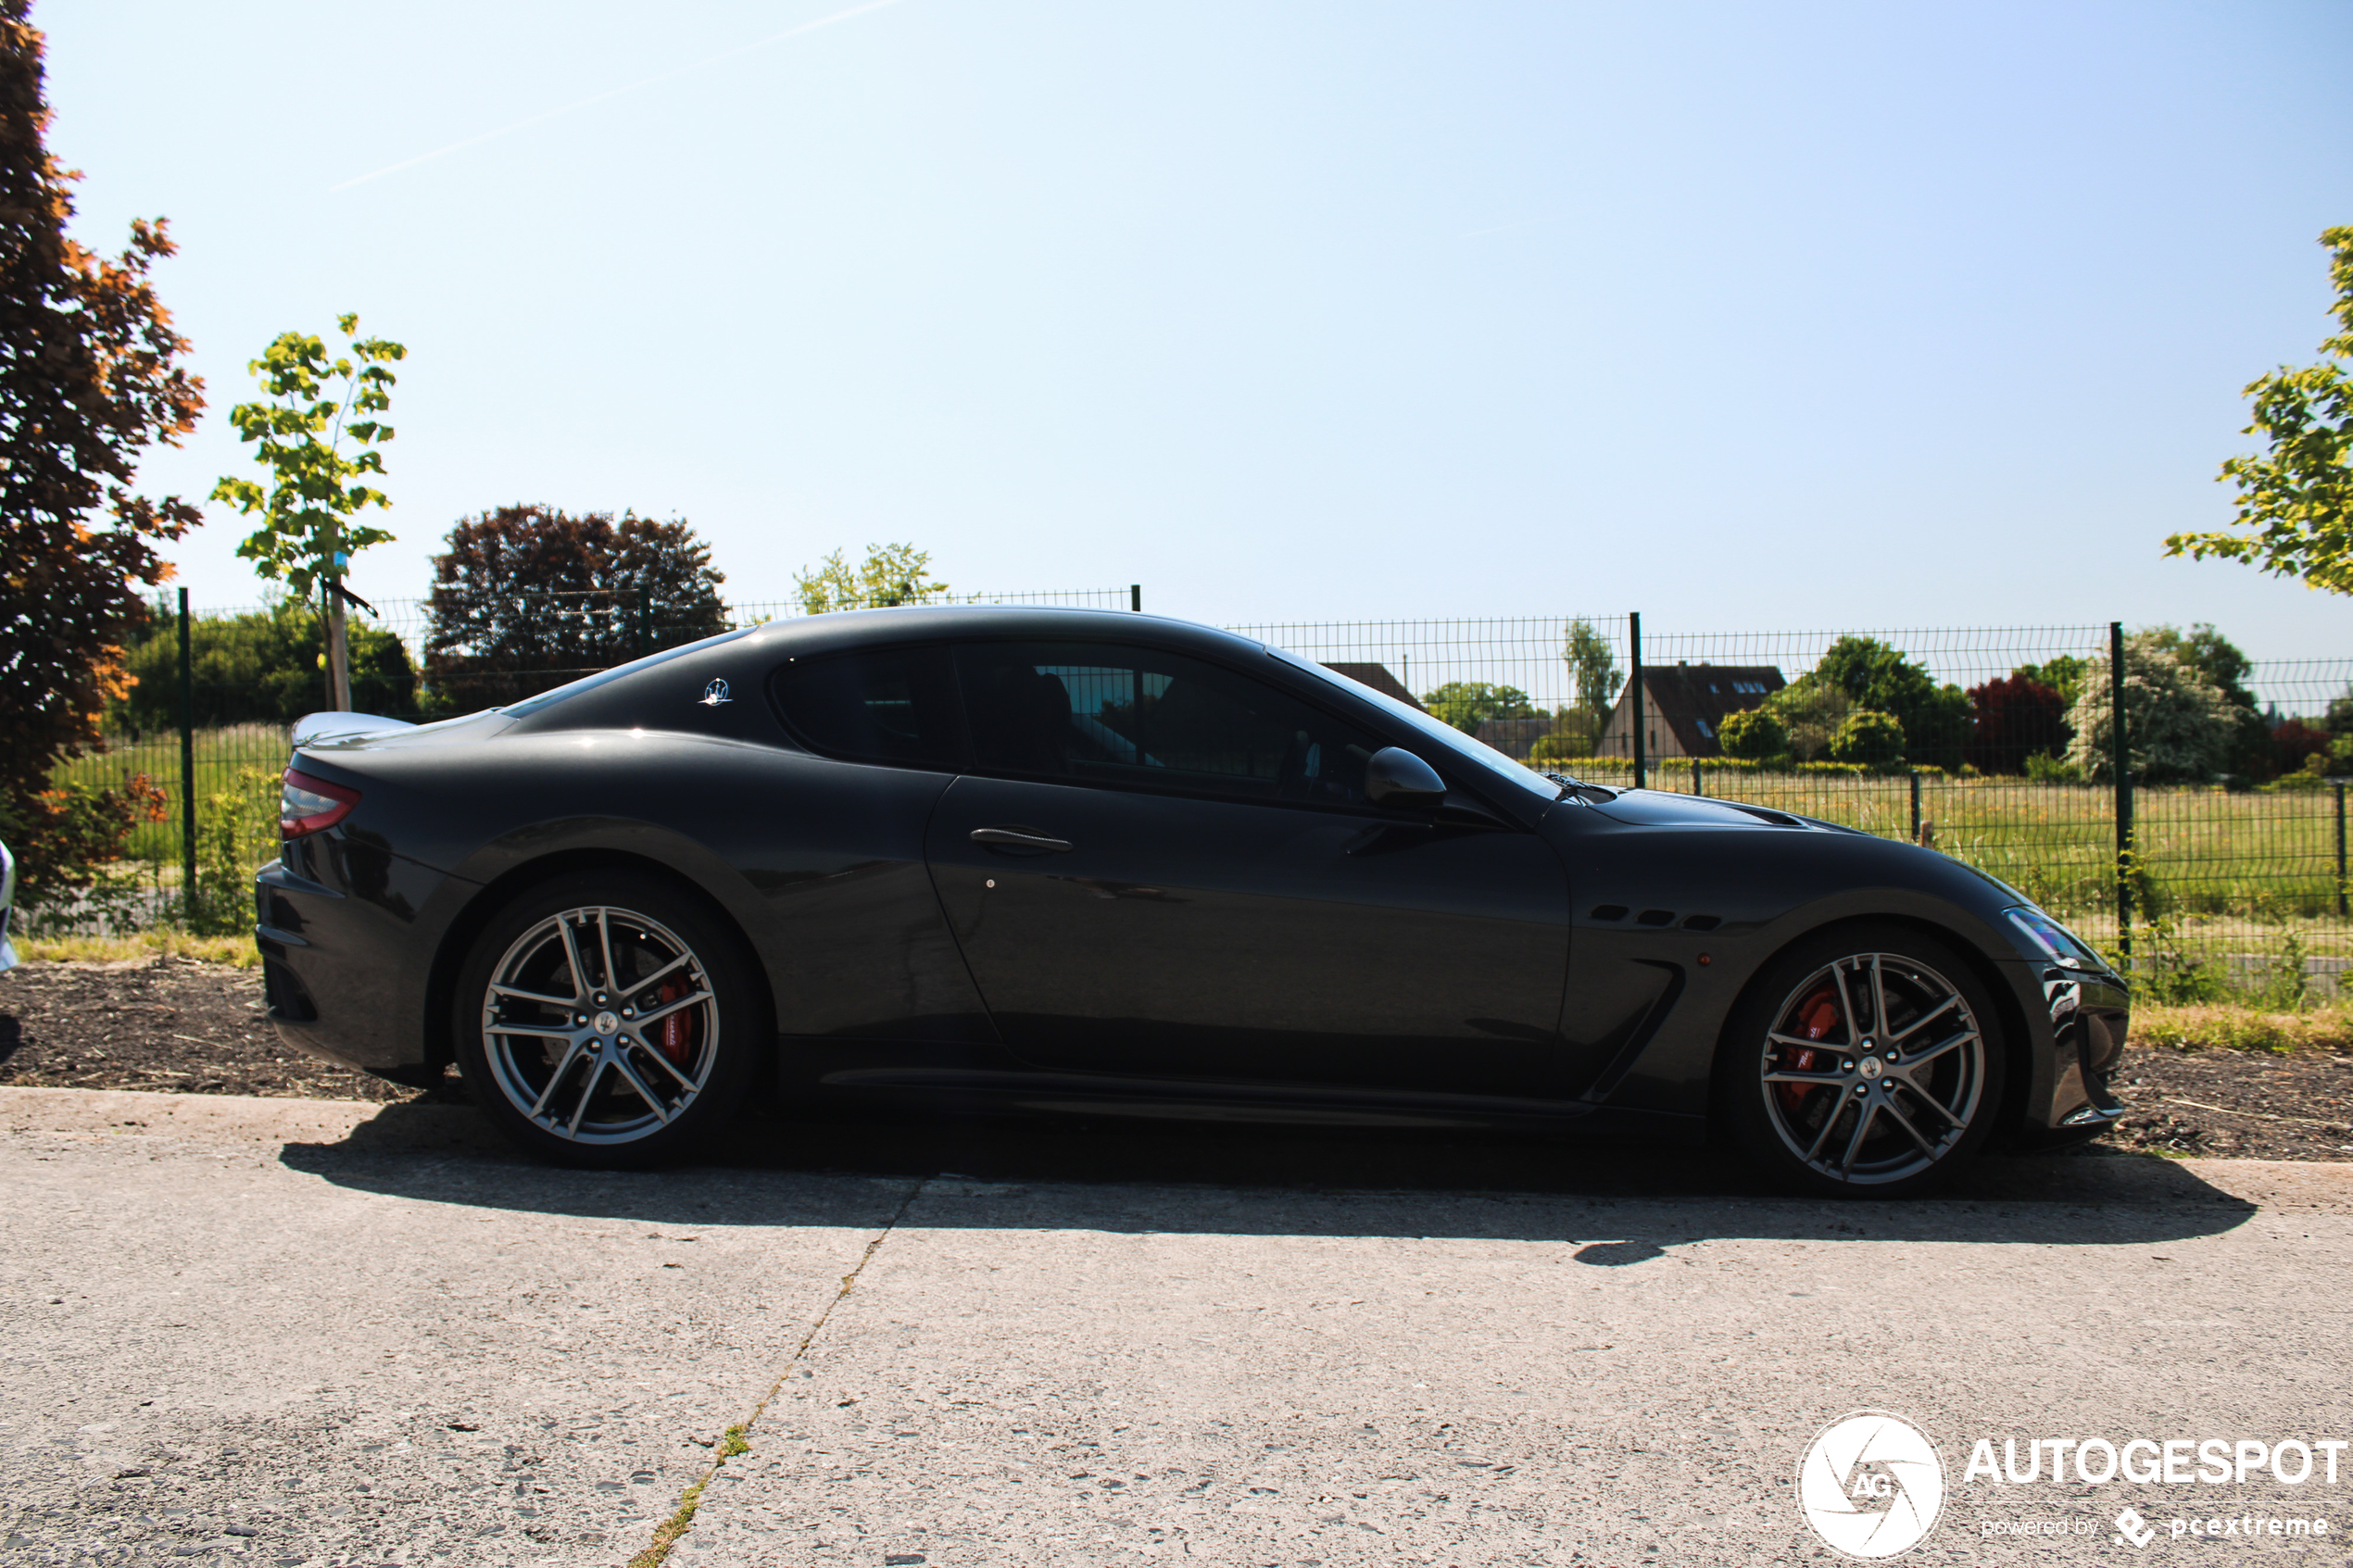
(1817, 1016)
(678, 1029)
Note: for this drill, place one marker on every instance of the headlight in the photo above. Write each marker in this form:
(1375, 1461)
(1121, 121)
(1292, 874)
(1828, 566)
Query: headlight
(2051, 939)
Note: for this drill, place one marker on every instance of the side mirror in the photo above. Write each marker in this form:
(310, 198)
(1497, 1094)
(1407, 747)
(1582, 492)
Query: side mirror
(1396, 777)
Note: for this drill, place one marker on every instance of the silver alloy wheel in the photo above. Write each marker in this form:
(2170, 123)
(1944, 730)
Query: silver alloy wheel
(599, 1025)
(1874, 1069)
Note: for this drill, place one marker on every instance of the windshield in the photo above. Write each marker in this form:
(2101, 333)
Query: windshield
(590, 683)
(1432, 728)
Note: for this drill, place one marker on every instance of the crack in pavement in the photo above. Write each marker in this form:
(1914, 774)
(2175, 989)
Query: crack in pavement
(738, 1438)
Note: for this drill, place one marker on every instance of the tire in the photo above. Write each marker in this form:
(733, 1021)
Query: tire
(1892, 1109)
(581, 1072)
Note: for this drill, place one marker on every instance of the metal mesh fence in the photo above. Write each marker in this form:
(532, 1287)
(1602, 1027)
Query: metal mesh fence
(1993, 745)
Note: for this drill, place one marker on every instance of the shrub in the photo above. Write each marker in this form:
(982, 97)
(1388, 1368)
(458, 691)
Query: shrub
(1560, 746)
(1468, 704)
(2179, 725)
(2294, 742)
(2044, 769)
(1936, 720)
(1871, 739)
(236, 834)
(266, 666)
(1810, 710)
(69, 849)
(1755, 735)
(2013, 719)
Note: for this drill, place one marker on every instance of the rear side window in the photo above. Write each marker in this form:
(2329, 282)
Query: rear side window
(1108, 714)
(880, 705)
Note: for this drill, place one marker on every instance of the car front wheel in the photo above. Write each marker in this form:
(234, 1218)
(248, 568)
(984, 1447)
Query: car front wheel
(605, 1020)
(1869, 1063)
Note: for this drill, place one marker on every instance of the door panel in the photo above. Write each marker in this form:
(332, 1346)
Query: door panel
(1232, 940)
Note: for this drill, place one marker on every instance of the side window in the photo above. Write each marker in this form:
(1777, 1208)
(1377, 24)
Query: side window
(880, 705)
(1102, 714)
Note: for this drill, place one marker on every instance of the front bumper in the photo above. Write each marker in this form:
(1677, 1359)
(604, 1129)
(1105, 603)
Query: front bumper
(2070, 1099)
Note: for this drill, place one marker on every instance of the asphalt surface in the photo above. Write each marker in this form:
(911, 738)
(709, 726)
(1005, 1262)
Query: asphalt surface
(307, 1332)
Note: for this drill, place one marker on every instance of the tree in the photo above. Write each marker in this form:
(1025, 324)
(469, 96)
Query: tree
(1754, 733)
(1936, 718)
(1810, 710)
(2178, 724)
(1594, 675)
(1468, 704)
(2296, 741)
(527, 598)
(2015, 718)
(2063, 674)
(1875, 740)
(2249, 752)
(2297, 499)
(2339, 719)
(264, 666)
(890, 576)
(90, 377)
(306, 536)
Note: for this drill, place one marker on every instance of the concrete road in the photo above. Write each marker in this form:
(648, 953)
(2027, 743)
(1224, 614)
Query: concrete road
(298, 1333)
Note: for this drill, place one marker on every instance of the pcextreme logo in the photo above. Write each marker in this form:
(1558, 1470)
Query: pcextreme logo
(1870, 1484)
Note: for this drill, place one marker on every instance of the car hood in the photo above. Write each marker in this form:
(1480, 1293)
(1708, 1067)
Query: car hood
(1655, 808)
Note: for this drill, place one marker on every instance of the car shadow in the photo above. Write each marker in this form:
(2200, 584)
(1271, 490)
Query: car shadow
(1622, 1202)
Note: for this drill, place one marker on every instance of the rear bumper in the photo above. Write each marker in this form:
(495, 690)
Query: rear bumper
(345, 957)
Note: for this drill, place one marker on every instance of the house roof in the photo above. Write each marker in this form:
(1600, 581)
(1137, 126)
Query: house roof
(1378, 677)
(1695, 699)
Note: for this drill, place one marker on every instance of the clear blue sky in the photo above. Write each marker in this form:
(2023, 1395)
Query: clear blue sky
(1746, 316)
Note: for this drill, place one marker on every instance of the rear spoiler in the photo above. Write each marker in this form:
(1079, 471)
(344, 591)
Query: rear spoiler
(342, 726)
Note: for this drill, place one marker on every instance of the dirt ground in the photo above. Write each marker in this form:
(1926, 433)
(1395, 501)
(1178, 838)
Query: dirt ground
(177, 1024)
(165, 1024)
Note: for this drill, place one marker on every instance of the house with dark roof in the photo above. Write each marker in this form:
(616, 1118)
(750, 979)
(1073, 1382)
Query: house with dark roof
(1378, 677)
(1683, 708)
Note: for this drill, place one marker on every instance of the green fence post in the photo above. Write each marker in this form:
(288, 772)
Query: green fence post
(1135, 598)
(1915, 805)
(2120, 759)
(2340, 848)
(1699, 784)
(188, 770)
(1634, 690)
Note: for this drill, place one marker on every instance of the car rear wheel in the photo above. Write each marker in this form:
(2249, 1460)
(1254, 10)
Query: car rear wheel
(605, 1020)
(1868, 1063)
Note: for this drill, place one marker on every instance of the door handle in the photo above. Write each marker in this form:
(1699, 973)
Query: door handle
(1019, 838)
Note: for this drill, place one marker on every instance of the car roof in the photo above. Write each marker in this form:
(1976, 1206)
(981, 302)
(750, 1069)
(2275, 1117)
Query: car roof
(856, 628)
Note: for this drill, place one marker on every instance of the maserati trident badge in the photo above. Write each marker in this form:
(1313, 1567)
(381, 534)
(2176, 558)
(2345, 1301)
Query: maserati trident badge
(715, 694)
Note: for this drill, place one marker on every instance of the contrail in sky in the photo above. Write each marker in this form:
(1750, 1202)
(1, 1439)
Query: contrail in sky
(617, 92)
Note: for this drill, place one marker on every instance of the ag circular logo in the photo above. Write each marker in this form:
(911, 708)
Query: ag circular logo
(1870, 1484)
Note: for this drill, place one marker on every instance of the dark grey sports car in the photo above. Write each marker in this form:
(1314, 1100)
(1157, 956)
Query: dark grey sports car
(1082, 861)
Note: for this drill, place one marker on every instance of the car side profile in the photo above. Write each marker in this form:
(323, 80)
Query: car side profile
(1074, 861)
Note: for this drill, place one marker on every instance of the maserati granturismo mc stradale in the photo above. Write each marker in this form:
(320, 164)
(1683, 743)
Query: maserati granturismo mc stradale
(1016, 858)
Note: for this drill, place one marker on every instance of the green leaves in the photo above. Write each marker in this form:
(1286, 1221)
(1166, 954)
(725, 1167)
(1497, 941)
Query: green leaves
(891, 575)
(299, 433)
(2296, 501)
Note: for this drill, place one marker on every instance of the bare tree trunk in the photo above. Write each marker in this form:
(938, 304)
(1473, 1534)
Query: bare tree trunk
(338, 651)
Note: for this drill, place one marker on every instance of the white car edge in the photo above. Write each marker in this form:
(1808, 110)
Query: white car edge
(7, 907)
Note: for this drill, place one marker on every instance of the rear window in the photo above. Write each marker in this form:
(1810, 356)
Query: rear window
(892, 705)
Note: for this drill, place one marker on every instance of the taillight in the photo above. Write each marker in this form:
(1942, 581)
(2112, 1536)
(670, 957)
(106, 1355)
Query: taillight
(306, 804)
